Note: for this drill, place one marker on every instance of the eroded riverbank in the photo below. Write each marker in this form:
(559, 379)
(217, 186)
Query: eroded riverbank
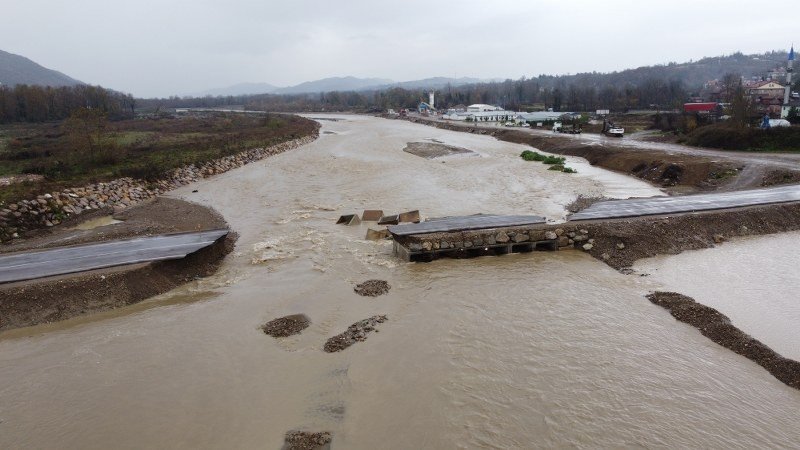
(63, 297)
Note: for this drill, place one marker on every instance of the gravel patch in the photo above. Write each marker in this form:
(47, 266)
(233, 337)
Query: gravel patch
(356, 332)
(372, 288)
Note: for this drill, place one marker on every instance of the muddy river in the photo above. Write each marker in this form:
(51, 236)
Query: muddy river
(519, 351)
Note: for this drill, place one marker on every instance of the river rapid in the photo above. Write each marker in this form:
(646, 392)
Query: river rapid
(520, 351)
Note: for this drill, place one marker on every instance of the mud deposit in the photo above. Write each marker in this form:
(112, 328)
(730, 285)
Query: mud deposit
(372, 288)
(717, 327)
(286, 326)
(431, 150)
(356, 332)
(304, 440)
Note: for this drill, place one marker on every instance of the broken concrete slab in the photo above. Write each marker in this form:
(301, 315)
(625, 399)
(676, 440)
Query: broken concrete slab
(389, 220)
(377, 235)
(348, 219)
(372, 215)
(409, 216)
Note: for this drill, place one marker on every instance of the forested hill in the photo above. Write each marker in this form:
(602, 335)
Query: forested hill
(692, 74)
(16, 69)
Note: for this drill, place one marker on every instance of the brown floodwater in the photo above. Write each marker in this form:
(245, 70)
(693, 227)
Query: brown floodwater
(520, 351)
(751, 280)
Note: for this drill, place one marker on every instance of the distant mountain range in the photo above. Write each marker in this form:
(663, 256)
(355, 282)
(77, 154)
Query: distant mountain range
(239, 89)
(340, 84)
(333, 84)
(16, 69)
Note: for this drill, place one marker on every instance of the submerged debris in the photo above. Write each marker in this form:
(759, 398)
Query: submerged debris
(372, 288)
(372, 215)
(389, 220)
(286, 326)
(356, 332)
(409, 216)
(377, 235)
(348, 219)
(304, 440)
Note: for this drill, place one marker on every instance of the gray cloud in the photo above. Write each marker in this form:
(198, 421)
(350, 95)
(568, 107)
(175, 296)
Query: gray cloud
(168, 47)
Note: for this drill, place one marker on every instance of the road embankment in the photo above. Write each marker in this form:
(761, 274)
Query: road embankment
(59, 298)
(680, 173)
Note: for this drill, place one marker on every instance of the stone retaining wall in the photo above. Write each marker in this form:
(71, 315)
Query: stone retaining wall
(52, 208)
(495, 241)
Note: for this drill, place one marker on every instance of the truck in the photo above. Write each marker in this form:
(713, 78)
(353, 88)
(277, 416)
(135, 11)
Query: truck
(558, 127)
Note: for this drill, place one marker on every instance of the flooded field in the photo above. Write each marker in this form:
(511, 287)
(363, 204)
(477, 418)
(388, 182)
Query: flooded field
(520, 351)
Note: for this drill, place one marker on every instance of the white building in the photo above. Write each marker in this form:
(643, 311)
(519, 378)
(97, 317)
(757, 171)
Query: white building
(540, 116)
(480, 107)
(480, 113)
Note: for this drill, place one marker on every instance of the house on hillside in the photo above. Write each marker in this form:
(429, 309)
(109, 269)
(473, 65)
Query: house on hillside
(777, 74)
(766, 96)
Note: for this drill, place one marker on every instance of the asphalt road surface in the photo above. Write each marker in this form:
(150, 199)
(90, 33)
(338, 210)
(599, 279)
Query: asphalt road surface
(59, 261)
(463, 223)
(687, 203)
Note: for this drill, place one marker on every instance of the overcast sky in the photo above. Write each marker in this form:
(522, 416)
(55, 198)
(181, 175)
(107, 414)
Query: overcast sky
(175, 47)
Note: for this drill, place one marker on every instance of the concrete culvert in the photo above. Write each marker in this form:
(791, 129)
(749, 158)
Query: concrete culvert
(372, 215)
(389, 220)
(286, 326)
(348, 219)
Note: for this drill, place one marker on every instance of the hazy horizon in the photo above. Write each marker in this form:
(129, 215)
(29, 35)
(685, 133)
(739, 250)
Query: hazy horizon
(152, 49)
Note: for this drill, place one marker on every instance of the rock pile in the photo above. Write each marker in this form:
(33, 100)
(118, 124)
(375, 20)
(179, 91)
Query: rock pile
(718, 327)
(356, 332)
(52, 208)
(304, 440)
(286, 326)
(372, 288)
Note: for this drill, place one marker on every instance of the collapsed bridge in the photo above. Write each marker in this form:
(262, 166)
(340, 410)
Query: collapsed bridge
(480, 235)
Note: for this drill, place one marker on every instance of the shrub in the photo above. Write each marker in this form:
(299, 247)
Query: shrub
(558, 167)
(550, 160)
(528, 155)
(569, 170)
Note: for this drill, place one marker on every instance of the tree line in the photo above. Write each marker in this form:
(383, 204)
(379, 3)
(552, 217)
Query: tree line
(524, 94)
(24, 103)
(664, 86)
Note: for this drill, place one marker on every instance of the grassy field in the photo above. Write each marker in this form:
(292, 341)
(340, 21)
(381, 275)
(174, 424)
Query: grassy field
(69, 155)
